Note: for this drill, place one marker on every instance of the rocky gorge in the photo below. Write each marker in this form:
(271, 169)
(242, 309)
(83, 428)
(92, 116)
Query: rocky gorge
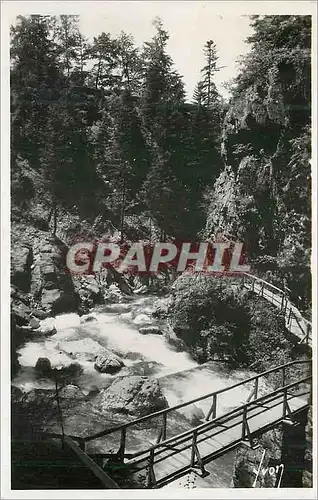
(108, 349)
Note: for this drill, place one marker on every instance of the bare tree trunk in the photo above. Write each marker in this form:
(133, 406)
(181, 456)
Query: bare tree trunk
(122, 213)
(97, 75)
(50, 215)
(55, 220)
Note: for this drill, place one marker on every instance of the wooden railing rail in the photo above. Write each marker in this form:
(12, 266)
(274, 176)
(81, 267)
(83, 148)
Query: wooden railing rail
(285, 302)
(216, 426)
(104, 478)
(192, 401)
(266, 283)
(223, 418)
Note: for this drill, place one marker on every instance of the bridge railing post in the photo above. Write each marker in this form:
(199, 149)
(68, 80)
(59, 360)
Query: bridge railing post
(195, 454)
(194, 443)
(212, 410)
(283, 376)
(286, 409)
(163, 429)
(282, 302)
(246, 433)
(164, 426)
(289, 316)
(307, 333)
(121, 451)
(152, 483)
(244, 422)
(256, 388)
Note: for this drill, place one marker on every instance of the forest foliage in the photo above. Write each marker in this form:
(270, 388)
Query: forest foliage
(106, 127)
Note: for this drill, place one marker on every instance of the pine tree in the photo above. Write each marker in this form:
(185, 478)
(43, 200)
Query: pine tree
(163, 87)
(130, 65)
(35, 82)
(105, 54)
(199, 94)
(206, 93)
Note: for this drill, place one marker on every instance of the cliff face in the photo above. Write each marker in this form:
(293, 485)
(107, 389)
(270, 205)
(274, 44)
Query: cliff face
(262, 197)
(307, 475)
(267, 455)
(283, 458)
(38, 272)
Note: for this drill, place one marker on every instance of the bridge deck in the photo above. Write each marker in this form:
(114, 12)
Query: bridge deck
(294, 321)
(174, 459)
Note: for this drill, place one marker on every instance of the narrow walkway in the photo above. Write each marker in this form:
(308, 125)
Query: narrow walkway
(192, 450)
(294, 321)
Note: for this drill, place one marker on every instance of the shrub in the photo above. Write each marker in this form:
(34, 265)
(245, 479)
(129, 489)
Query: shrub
(217, 317)
(212, 317)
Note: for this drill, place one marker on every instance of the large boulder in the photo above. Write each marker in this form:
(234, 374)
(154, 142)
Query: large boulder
(134, 395)
(70, 370)
(16, 394)
(88, 317)
(34, 323)
(194, 414)
(38, 273)
(150, 329)
(72, 392)
(142, 319)
(47, 327)
(21, 260)
(108, 362)
(86, 348)
(43, 366)
(21, 313)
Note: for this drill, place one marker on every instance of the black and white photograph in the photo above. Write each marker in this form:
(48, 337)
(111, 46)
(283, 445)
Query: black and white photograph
(158, 254)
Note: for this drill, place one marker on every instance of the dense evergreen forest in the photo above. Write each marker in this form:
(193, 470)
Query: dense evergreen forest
(102, 131)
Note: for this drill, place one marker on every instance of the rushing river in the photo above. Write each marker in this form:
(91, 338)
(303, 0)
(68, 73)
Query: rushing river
(181, 377)
(117, 328)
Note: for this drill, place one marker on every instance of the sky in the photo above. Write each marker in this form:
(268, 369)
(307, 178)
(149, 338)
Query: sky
(189, 24)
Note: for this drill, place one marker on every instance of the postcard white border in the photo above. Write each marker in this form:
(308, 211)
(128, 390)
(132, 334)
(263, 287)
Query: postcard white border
(13, 8)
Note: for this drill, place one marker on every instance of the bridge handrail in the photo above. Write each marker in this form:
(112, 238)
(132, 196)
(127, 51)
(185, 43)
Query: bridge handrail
(99, 473)
(294, 312)
(283, 292)
(206, 425)
(181, 405)
(266, 283)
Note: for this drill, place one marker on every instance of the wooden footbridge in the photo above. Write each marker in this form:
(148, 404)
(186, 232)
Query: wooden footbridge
(172, 455)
